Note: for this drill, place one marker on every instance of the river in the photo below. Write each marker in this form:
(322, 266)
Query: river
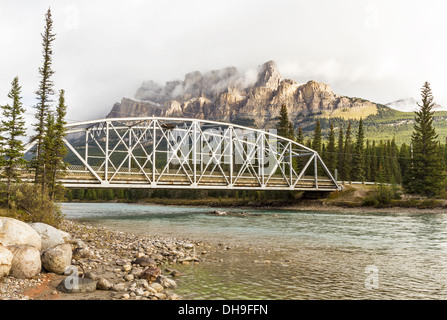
(278, 254)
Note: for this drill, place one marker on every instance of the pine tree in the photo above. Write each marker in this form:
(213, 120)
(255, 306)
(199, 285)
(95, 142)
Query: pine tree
(283, 126)
(12, 127)
(331, 151)
(44, 94)
(300, 136)
(404, 159)
(374, 165)
(54, 165)
(316, 143)
(358, 172)
(347, 149)
(340, 154)
(426, 172)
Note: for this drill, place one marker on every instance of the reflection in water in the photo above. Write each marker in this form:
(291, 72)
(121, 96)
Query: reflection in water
(295, 255)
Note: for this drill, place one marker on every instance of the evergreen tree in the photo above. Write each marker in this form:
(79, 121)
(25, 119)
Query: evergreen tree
(374, 164)
(300, 136)
(283, 125)
(347, 149)
(358, 173)
(404, 159)
(44, 94)
(12, 127)
(331, 151)
(316, 143)
(426, 172)
(54, 163)
(368, 156)
(340, 154)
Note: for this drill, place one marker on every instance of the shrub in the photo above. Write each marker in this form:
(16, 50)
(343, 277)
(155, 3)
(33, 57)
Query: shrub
(33, 205)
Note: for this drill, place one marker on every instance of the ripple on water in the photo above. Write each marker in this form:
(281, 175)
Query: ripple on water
(296, 255)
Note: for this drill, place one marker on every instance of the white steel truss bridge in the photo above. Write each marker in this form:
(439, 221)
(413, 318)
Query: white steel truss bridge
(156, 152)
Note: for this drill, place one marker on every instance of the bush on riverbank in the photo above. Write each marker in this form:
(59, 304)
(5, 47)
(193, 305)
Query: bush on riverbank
(29, 204)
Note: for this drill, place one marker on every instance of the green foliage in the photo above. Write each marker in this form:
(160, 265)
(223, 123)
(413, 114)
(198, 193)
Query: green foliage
(425, 174)
(12, 128)
(34, 205)
(44, 98)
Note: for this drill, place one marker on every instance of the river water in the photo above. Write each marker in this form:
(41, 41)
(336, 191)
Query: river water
(276, 254)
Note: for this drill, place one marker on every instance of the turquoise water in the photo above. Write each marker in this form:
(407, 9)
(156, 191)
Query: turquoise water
(295, 254)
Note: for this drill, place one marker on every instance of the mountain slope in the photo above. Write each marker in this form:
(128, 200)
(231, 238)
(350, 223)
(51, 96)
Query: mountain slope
(226, 95)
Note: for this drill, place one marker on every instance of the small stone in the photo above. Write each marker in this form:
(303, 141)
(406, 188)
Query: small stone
(119, 287)
(176, 273)
(103, 284)
(157, 286)
(160, 296)
(151, 274)
(129, 277)
(91, 275)
(126, 296)
(166, 282)
(127, 267)
(120, 262)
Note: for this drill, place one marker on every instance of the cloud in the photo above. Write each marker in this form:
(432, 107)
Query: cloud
(104, 50)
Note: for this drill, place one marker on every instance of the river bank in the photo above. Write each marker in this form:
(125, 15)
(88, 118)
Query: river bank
(117, 260)
(353, 199)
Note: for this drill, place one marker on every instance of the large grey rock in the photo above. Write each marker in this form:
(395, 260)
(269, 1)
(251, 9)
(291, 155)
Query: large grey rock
(15, 233)
(6, 257)
(57, 259)
(76, 285)
(50, 236)
(25, 262)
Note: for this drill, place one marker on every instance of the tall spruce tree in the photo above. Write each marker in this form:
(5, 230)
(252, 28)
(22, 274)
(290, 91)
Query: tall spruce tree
(317, 143)
(425, 174)
(12, 127)
(347, 150)
(331, 151)
(300, 135)
(283, 125)
(340, 155)
(358, 172)
(44, 97)
(54, 163)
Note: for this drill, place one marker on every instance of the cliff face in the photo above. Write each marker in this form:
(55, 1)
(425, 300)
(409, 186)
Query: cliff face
(226, 95)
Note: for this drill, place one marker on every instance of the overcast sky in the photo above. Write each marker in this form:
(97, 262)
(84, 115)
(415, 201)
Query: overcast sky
(377, 50)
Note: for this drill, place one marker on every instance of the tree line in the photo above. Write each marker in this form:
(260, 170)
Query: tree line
(419, 166)
(47, 164)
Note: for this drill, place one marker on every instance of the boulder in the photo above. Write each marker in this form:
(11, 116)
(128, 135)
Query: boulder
(5, 261)
(57, 259)
(151, 274)
(50, 236)
(16, 233)
(76, 285)
(25, 262)
(65, 235)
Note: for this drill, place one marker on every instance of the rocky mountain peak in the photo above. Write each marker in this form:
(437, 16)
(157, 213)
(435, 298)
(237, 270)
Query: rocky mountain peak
(227, 95)
(268, 76)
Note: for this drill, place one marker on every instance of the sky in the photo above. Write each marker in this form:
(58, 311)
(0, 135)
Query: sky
(377, 50)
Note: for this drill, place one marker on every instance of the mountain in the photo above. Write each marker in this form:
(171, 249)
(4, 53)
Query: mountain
(410, 105)
(253, 98)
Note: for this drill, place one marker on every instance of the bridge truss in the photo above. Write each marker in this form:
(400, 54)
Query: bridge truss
(155, 152)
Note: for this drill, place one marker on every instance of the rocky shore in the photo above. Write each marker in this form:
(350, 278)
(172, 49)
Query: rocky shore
(104, 264)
